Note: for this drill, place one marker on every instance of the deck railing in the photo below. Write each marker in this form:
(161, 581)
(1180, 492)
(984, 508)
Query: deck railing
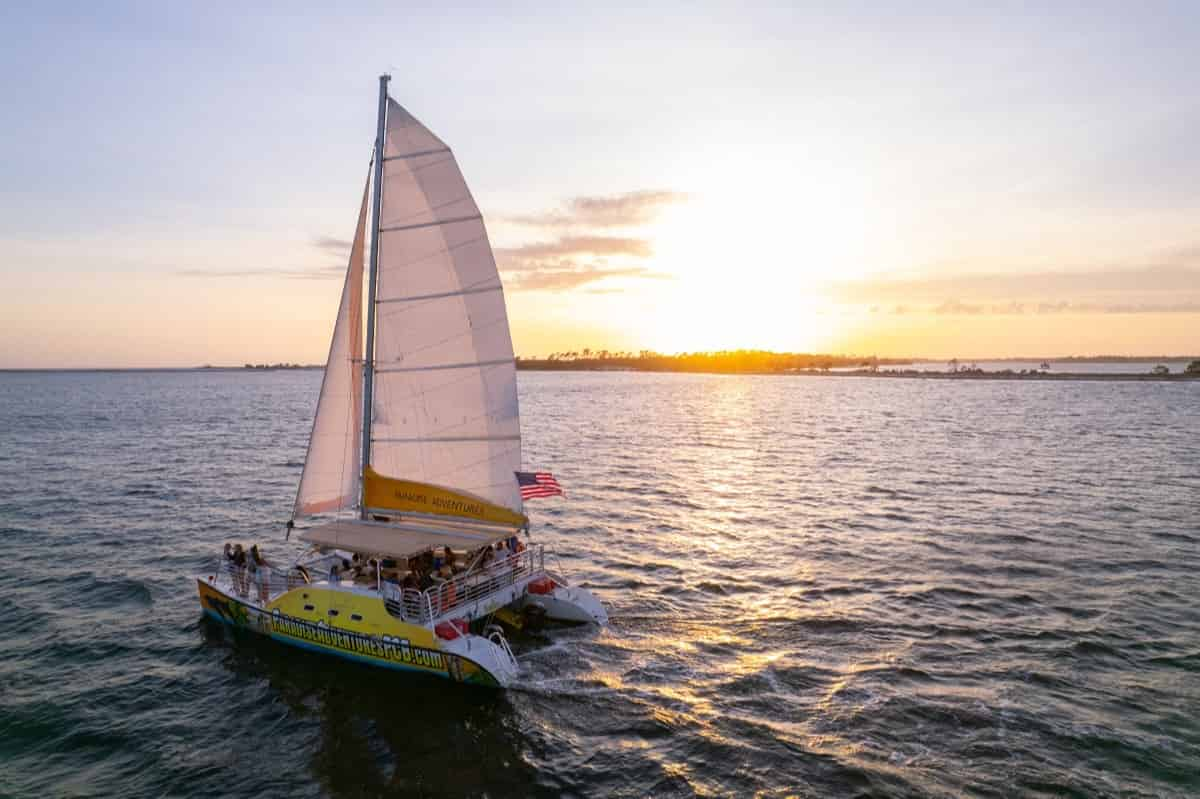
(468, 588)
(420, 607)
(259, 584)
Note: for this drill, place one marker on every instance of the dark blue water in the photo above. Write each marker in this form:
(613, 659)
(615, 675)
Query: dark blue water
(824, 587)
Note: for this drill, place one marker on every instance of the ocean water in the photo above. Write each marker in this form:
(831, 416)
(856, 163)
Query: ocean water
(818, 587)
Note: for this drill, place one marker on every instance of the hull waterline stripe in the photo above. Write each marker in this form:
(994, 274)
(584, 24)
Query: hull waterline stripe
(441, 366)
(445, 438)
(417, 154)
(418, 297)
(451, 221)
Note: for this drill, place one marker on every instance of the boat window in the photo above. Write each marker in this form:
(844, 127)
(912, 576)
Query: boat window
(309, 607)
(332, 612)
(355, 617)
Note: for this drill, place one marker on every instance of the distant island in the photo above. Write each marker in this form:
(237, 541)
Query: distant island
(765, 362)
(727, 361)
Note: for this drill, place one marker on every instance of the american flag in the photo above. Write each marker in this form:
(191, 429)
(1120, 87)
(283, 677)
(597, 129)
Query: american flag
(538, 484)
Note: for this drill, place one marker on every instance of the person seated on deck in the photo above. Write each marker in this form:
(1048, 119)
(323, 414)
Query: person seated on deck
(489, 555)
(515, 545)
(410, 582)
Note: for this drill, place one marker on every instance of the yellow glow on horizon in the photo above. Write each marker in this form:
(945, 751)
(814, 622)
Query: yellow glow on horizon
(747, 258)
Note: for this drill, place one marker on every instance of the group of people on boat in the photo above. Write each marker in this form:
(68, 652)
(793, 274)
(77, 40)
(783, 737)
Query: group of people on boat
(248, 567)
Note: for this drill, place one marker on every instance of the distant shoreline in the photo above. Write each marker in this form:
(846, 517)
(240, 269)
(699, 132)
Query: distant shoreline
(910, 374)
(767, 363)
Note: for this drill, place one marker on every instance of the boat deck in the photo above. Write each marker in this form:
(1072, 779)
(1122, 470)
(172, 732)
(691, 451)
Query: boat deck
(467, 595)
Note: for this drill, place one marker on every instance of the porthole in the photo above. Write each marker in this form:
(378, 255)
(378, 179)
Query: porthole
(332, 612)
(309, 607)
(355, 617)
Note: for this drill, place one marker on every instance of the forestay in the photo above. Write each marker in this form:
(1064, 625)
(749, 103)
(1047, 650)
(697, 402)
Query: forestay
(331, 467)
(444, 410)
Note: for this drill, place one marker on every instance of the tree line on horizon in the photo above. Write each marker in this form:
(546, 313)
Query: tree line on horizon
(721, 361)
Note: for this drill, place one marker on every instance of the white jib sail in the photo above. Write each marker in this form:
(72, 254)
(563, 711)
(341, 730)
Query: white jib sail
(445, 387)
(331, 468)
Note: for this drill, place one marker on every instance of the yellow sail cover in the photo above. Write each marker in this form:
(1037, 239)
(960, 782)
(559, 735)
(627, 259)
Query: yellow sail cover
(388, 493)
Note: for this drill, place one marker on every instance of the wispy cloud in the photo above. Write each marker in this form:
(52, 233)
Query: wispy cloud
(333, 245)
(616, 210)
(316, 273)
(325, 244)
(956, 308)
(1170, 286)
(522, 257)
(566, 276)
(585, 252)
(561, 261)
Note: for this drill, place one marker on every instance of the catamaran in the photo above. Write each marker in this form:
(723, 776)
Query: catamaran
(409, 500)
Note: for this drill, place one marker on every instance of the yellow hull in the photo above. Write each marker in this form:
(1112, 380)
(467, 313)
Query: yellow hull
(345, 624)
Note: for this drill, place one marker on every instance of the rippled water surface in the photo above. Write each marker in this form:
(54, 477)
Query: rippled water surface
(824, 587)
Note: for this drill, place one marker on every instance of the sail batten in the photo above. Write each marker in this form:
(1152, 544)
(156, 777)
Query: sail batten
(444, 406)
(330, 478)
(402, 228)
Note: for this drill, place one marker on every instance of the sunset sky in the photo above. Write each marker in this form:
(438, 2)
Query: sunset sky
(178, 182)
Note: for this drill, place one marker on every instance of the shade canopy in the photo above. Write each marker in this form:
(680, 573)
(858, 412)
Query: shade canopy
(396, 540)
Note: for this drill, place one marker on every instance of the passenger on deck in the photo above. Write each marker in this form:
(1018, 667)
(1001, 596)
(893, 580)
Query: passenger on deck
(368, 572)
(239, 569)
(262, 571)
(335, 573)
(449, 562)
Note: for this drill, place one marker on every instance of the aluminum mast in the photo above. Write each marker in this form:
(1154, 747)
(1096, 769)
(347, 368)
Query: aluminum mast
(369, 352)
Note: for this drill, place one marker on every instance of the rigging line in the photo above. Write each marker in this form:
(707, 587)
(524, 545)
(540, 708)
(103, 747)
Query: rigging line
(489, 412)
(451, 439)
(421, 298)
(440, 366)
(470, 288)
(412, 170)
(416, 154)
(501, 454)
(450, 427)
(437, 223)
(431, 208)
(417, 392)
(469, 332)
(444, 250)
(423, 394)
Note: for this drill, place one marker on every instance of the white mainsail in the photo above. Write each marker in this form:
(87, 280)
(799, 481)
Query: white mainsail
(444, 409)
(331, 468)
